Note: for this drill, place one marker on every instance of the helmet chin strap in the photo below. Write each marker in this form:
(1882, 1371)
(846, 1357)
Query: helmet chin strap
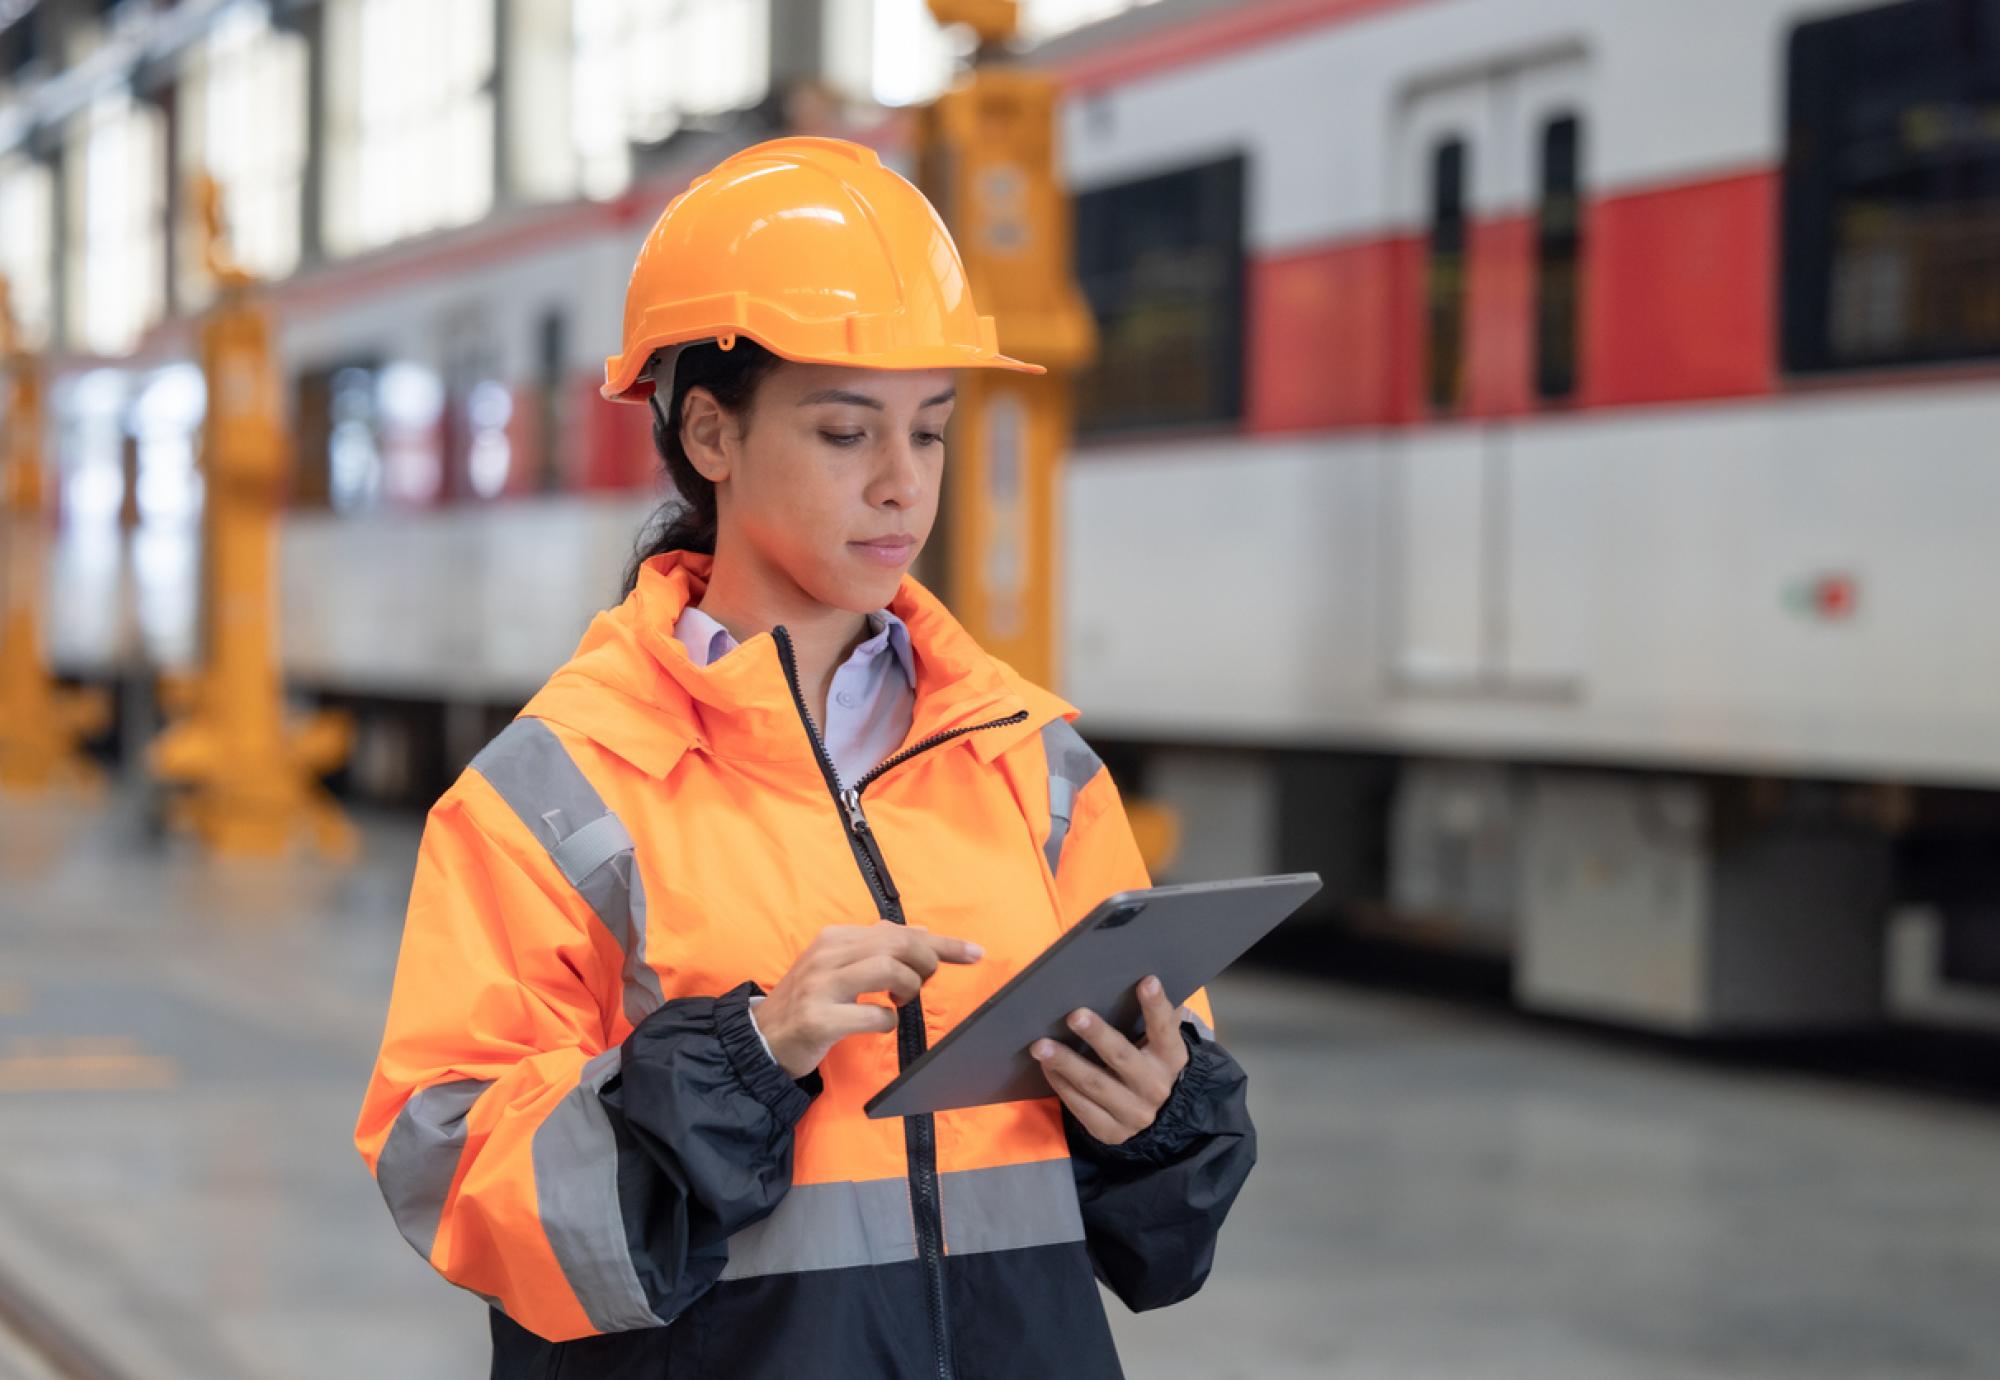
(662, 373)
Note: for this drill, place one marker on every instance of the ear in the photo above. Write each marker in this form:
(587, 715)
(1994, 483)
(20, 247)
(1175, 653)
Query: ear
(707, 435)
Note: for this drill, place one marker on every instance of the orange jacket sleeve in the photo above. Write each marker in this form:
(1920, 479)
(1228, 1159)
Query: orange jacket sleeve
(519, 1142)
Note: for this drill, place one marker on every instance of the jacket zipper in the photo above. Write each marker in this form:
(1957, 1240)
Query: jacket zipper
(919, 1132)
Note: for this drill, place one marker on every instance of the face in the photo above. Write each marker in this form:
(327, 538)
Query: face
(830, 479)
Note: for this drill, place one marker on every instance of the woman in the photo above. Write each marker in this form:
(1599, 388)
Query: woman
(776, 826)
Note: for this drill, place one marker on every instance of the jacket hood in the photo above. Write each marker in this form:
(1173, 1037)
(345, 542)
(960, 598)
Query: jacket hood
(632, 689)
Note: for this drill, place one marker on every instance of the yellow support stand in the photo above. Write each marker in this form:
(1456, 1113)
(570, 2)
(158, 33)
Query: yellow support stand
(987, 159)
(41, 725)
(250, 777)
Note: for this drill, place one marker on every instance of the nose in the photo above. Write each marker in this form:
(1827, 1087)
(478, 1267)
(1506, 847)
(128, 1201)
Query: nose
(899, 478)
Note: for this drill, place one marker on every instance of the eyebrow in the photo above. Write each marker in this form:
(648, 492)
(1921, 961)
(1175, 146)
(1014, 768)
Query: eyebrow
(841, 395)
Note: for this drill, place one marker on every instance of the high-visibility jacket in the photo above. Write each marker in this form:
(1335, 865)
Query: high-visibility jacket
(573, 1117)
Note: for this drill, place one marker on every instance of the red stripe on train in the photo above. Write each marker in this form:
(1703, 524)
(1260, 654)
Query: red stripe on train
(1681, 293)
(1500, 339)
(1323, 346)
(1679, 305)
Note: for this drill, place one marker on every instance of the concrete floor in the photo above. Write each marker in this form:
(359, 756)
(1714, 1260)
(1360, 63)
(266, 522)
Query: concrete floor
(1443, 1192)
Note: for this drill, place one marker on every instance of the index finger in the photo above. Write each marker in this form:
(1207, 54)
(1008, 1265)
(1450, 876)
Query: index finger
(946, 948)
(937, 947)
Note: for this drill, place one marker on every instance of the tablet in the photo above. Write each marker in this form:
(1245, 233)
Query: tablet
(1183, 934)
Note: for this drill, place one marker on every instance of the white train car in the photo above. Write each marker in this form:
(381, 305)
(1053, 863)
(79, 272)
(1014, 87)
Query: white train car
(1726, 518)
(1539, 474)
(1595, 410)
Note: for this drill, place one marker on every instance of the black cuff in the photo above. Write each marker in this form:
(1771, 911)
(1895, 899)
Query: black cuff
(1184, 1118)
(761, 1074)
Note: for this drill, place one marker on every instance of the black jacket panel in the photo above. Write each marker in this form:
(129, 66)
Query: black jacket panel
(1152, 1206)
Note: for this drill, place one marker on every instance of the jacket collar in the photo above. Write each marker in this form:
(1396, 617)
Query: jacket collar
(707, 641)
(632, 688)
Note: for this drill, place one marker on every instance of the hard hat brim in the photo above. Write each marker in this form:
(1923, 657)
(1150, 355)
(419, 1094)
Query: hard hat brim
(626, 379)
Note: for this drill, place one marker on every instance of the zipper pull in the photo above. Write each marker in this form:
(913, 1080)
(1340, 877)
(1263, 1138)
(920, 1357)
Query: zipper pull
(850, 801)
(857, 822)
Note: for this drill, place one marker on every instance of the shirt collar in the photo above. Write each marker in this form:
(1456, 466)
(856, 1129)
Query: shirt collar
(889, 630)
(707, 641)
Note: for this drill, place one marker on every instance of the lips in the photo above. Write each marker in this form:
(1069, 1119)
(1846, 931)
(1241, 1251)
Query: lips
(888, 551)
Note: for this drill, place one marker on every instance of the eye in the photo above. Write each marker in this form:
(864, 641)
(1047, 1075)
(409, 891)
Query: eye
(928, 438)
(841, 438)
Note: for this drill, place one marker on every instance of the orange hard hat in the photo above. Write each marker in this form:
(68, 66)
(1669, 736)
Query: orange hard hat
(814, 250)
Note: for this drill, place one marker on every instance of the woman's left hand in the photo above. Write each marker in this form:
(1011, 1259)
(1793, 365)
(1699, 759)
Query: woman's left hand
(1119, 1100)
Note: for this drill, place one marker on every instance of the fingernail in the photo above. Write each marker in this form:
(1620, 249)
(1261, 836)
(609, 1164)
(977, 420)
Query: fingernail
(1080, 1021)
(1152, 986)
(974, 950)
(1043, 1050)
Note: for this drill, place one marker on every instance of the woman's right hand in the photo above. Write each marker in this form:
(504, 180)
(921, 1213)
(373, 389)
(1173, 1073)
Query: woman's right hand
(813, 1007)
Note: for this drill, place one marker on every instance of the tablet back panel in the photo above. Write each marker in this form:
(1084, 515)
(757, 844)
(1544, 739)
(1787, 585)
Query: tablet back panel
(1184, 934)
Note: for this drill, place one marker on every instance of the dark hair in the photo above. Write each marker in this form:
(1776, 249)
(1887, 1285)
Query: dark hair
(686, 522)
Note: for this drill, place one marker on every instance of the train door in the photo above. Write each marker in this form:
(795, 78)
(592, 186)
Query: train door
(1437, 543)
(1488, 183)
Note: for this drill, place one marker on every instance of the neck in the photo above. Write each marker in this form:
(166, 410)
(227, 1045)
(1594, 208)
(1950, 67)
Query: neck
(748, 599)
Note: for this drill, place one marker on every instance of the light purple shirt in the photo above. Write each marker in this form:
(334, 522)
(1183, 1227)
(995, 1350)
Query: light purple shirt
(868, 707)
(870, 703)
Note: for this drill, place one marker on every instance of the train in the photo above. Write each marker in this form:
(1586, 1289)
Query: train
(1538, 472)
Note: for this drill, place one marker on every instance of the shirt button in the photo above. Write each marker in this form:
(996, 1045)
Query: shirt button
(845, 699)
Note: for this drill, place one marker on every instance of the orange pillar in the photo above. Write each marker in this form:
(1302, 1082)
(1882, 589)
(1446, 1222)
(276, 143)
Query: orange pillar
(249, 777)
(988, 161)
(41, 726)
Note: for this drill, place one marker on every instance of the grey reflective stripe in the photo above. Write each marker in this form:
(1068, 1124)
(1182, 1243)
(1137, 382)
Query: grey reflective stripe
(1193, 1018)
(576, 1196)
(528, 765)
(1010, 1207)
(590, 847)
(827, 1227)
(840, 1225)
(1071, 766)
(420, 1158)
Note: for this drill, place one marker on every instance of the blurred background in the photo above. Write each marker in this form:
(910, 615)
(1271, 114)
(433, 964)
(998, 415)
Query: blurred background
(1534, 462)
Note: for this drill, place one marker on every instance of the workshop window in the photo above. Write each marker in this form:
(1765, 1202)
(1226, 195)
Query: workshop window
(242, 119)
(409, 118)
(115, 258)
(1045, 19)
(641, 68)
(894, 52)
(27, 243)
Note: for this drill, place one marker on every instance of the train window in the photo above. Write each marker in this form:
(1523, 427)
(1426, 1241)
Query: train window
(551, 381)
(1161, 262)
(1445, 278)
(1558, 257)
(1892, 187)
